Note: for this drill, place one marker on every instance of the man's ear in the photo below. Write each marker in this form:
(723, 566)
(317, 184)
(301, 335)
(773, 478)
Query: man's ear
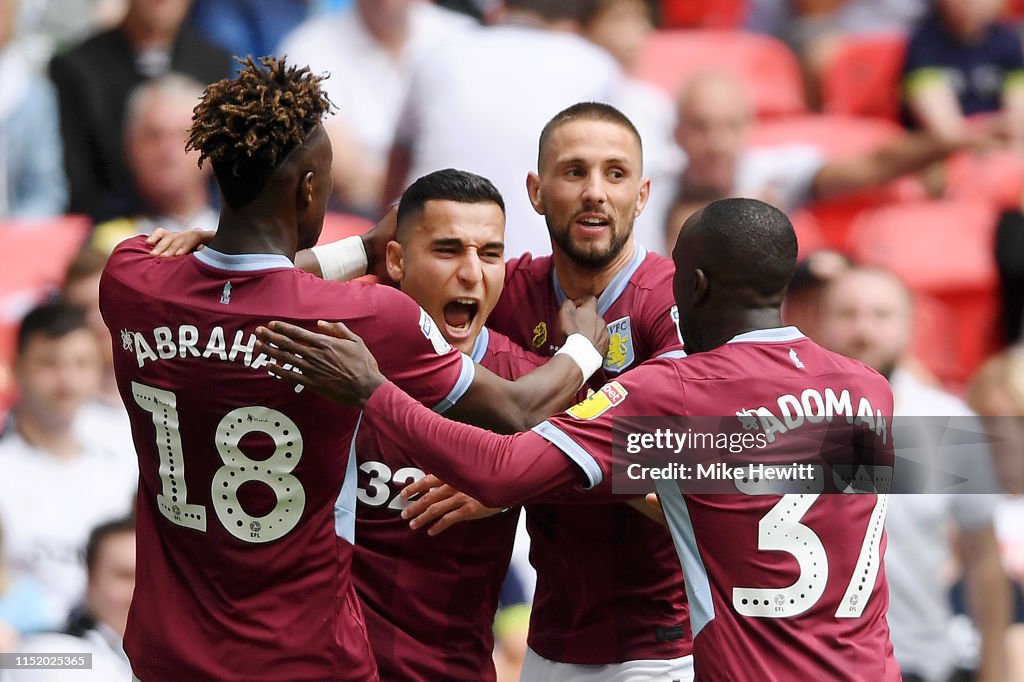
(533, 191)
(304, 194)
(641, 200)
(700, 286)
(395, 261)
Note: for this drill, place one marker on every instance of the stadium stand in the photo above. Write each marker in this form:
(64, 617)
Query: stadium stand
(862, 78)
(764, 64)
(35, 256)
(942, 249)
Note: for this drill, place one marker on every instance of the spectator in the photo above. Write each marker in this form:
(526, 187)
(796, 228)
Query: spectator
(95, 78)
(867, 314)
(99, 627)
(32, 183)
(172, 191)
(102, 418)
(54, 485)
(22, 606)
(370, 51)
(248, 27)
(962, 61)
(621, 27)
(802, 307)
(997, 394)
(481, 102)
(714, 120)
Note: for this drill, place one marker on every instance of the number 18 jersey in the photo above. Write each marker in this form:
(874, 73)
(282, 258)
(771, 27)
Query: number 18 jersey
(246, 501)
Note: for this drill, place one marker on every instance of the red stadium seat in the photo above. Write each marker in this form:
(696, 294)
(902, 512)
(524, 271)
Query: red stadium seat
(836, 137)
(863, 78)
(702, 13)
(763, 64)
(943, 249)
(35, 255)
(340, 225)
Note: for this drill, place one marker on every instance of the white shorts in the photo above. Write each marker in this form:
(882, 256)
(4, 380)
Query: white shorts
(536, 668)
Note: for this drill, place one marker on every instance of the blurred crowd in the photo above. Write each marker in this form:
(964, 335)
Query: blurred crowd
(892, 131)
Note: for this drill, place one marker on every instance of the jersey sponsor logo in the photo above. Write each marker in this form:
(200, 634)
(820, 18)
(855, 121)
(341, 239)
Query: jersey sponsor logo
(433, 334)
(674, 314)
(596, 404)
(540, 334)
(225, 295)
(620, 345)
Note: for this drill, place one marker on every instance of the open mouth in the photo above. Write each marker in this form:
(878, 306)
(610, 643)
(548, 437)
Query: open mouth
(592, 221)
(459, 315)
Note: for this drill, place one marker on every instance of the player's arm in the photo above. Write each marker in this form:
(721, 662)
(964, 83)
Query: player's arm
(326, 365)
(497, 470)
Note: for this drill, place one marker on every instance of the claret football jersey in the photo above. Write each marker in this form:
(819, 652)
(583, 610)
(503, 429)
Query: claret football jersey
(245, 510)
(781, 587)
(608, 583)
(429, 602)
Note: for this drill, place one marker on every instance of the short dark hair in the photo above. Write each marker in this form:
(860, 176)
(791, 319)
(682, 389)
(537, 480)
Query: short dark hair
(549, 10)
(247, 125)
(756, 241)
(449, 184)
(587, 111)
(100, 534)
(53, 320)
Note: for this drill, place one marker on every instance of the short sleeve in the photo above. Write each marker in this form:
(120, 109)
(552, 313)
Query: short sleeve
(584, 432)
(412, 352)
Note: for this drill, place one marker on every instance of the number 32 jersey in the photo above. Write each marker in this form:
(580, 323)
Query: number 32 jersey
(247, 488)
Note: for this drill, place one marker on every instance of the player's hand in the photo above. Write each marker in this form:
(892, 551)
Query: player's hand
(650, 507)
(375, 242)
(441, 505)
(335, 363)
(167, 243)
(581, 317)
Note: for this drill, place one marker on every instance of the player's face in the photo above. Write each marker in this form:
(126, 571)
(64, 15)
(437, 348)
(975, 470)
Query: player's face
(866, 316)
(112, 581)
(318, 161)
(453, 264)
(590, 188)
(55, 376)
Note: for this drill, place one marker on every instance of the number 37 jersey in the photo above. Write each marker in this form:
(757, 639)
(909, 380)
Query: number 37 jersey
(781, 586)
(247, 487)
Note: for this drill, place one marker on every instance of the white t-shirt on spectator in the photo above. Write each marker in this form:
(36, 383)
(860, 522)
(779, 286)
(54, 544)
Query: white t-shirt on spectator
(48, 507)
(109, 662)
(480, 103)
(919, 558)
(782, 176)
(366, 82)
(107, 428)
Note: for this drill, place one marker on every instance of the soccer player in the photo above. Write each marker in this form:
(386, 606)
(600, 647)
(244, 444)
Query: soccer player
(429, 602)
(781, 586)
(247, 493)
(609, 592)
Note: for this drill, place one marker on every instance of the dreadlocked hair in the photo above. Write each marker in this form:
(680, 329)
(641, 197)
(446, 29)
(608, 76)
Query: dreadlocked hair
(247, 125)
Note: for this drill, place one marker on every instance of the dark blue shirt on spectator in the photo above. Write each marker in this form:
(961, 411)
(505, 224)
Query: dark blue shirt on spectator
(976, 71)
